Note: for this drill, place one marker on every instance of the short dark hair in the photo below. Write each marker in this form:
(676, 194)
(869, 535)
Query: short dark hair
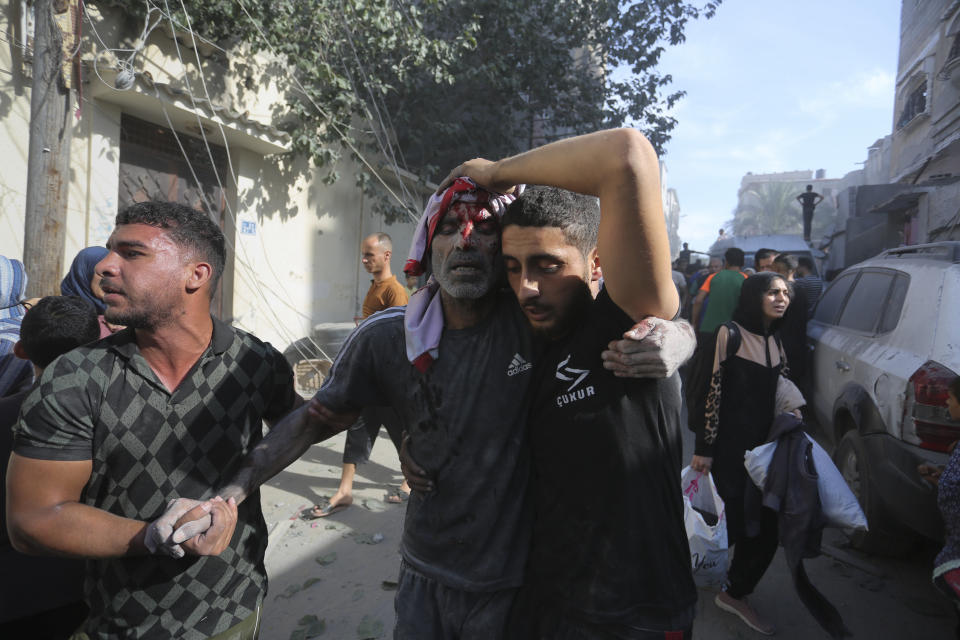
(577, 215)
(188, 228)
(384, 240)
(733, 257)
(763, 253)
(954, 387)
(787, 261)
(55, 325)
(806, 262)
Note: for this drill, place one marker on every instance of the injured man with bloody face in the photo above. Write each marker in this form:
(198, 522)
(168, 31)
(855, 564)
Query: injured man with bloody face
(453, 365)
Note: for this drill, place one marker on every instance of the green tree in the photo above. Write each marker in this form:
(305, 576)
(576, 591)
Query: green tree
(772, 208)
(424, 82)
(543, 69)
(768, 208)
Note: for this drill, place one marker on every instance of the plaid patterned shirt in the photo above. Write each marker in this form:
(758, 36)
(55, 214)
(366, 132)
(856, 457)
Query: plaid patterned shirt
(102, 402)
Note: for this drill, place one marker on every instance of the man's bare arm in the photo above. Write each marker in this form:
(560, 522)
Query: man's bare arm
(45, 515)
(286, 442)
(620, 167)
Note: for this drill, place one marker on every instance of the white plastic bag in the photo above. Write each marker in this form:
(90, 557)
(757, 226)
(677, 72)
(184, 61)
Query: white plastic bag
(757, 461)
(839, 504)
(708, 543)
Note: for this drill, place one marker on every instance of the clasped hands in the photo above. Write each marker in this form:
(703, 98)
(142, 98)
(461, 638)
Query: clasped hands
(197, 527)
(205, 527)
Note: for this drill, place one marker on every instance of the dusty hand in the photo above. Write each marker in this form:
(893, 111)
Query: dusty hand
(206, 529)
(337, 421)
(414, 474)
(701, 464)
(158, 538)
(480, 171)
(653, 348)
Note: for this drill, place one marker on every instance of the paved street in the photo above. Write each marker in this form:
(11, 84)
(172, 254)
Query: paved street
(340, 571)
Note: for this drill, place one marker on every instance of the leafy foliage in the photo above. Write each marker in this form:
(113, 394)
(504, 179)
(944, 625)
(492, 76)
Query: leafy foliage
(772, 208)
(543, 69)
(443, 79)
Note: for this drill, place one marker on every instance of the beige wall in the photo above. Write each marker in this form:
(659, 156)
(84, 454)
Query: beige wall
(299, 267)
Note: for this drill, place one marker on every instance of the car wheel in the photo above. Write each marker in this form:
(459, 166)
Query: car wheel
(882, 538)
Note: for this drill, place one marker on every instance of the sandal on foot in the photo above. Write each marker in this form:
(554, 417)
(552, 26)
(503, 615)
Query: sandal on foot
(316, 511)
(398, 496)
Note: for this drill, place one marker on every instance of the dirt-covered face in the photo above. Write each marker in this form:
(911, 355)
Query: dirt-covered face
(465, 251)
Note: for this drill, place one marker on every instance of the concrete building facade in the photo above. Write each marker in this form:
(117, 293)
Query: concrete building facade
(196, 124)
(925, 142)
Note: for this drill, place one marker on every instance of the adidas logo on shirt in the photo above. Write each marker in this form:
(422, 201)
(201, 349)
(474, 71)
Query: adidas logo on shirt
(518, 365)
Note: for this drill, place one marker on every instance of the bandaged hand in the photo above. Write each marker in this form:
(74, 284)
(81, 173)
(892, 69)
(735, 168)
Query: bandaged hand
(652, 348)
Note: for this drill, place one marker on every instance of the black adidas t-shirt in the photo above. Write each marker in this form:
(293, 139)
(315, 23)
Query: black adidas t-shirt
(609, 540)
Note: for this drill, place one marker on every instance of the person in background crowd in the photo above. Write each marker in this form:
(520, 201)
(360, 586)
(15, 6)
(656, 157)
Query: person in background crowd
(807, 280)
(83, 280)
(763, 259)
(680, 282)
(808, 200)
(946, 566)
(15, 374)
(740, 409)
(696, 281)
(684, 256)
(793, 329)
(384, 292)
(165, 408)
(723, 289)
(41, 598)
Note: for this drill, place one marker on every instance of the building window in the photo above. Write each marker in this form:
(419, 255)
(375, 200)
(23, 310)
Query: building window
(915, 105)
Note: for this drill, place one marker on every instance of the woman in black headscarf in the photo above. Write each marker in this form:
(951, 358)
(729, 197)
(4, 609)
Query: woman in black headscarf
(740, 408)
(83, 281)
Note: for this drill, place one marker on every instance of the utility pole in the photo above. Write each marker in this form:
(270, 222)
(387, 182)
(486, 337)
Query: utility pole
(48, 162)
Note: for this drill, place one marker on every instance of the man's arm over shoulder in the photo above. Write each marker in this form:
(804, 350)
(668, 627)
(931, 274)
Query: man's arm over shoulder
(620, 167)
(632, 243)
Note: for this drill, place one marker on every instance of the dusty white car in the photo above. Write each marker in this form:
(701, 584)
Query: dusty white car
(885, 343)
